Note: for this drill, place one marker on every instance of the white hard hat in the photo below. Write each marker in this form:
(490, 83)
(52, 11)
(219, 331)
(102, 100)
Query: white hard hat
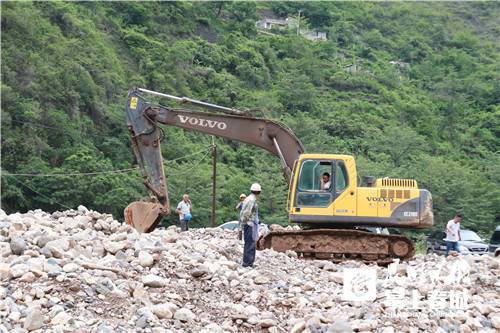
(243, 195)
(255, 187)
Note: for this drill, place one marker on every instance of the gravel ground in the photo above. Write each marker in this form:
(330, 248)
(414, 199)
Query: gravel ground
(83, 271)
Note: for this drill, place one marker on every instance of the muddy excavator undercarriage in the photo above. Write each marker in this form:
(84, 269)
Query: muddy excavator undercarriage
(333, 216)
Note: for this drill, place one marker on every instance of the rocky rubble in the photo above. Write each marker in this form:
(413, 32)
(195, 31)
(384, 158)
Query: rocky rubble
(82, 271)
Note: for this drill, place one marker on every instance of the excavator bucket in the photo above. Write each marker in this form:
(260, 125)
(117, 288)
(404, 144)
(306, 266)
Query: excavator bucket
(143, 216)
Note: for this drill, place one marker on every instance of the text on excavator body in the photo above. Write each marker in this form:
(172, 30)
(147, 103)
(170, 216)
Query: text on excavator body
(202, 122)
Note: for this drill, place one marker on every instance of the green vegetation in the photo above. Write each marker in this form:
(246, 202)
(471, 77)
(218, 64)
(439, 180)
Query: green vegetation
(435, 117)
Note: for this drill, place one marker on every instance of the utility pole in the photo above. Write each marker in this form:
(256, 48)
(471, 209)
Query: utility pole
(298, 23)
(214, 181)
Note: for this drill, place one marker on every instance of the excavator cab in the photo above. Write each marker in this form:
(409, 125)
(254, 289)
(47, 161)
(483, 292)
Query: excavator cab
(391, 202)
(335, 216)
(320, 182)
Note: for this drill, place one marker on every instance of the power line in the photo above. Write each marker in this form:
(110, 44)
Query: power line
(185, 156)
(41, 194)
(207, 153)
(196, 164)
(68, 174)
(5, 173)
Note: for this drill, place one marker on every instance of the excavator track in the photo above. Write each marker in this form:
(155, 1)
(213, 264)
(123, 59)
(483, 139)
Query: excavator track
(339, 245)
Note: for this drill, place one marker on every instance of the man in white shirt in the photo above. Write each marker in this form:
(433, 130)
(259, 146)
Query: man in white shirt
(184, 209)
(453, 234)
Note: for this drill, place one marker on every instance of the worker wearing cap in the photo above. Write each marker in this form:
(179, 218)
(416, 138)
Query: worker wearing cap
(238, 208)
(249, 218)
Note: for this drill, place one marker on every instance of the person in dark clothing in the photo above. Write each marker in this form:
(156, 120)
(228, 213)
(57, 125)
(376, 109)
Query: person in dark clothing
(249, 218)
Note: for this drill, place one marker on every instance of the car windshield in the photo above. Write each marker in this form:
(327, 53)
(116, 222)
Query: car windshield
(229, 225)
(467, 235)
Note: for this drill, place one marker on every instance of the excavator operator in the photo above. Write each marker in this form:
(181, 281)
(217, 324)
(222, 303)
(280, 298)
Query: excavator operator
(325, 181)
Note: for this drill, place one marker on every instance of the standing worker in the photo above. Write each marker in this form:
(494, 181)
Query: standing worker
(238, 207)
(249, 218)
(184, 209)
(453, 234)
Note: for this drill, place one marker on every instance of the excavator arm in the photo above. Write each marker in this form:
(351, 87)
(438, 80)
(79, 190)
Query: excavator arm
(143, 119)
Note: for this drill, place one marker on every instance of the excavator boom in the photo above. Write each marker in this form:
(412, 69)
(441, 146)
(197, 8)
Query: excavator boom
(143, 119)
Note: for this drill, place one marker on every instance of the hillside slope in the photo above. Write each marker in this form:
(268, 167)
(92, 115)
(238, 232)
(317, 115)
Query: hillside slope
(67, 67)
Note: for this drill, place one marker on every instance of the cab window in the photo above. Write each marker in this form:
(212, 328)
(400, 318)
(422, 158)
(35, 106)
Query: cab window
(315, 184)
(341, 180)
(315, 176)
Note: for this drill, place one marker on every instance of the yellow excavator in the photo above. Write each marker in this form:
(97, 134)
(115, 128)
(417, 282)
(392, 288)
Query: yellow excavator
(335, 214)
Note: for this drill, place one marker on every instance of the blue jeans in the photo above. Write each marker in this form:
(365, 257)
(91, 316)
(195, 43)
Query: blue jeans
(184, 225)
(249, 247)
(451, 246)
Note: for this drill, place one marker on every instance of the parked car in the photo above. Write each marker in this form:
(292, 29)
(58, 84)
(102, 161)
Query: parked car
(233, 225)
(469, 243)
(495, 242)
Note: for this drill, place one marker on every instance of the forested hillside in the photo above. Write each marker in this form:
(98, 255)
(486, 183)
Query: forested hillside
(432, 114)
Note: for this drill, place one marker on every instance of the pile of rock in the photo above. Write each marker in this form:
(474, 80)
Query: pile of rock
(82, 271)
